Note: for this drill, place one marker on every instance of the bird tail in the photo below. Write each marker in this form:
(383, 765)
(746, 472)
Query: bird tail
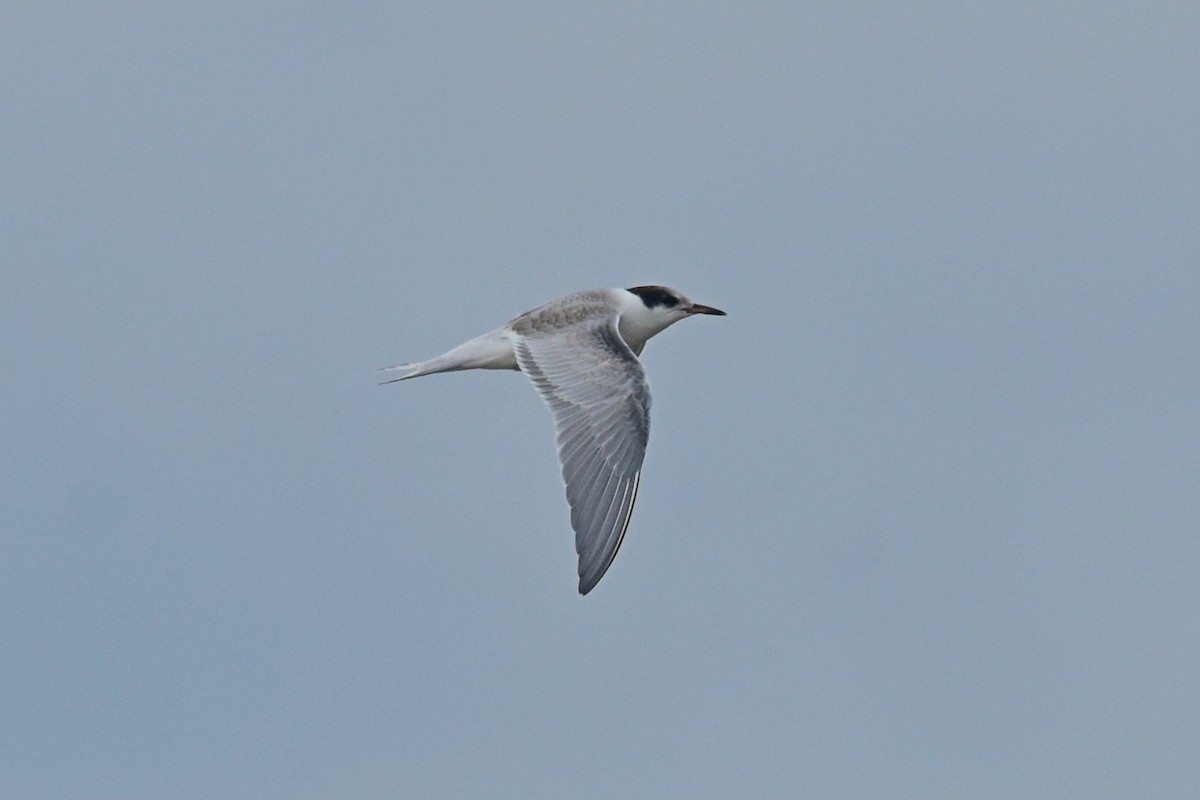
(406, 371)
(416, 369)
(489, 351)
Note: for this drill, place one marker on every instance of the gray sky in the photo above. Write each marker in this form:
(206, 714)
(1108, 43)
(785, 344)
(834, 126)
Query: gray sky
(918, 519)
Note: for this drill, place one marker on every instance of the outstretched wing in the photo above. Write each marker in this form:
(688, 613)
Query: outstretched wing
(597, 391)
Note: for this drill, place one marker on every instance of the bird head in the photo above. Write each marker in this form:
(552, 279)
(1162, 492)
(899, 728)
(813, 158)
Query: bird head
(652, 309)
(670, 303)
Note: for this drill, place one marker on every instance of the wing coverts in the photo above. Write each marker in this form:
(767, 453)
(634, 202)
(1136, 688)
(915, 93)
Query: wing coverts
(596, 389)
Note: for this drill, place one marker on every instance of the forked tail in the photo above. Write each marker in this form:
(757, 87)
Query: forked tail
(490, 351)
(448, 362)
(407, 371)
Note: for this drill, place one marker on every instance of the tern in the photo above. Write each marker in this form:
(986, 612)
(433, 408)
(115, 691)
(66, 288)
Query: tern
(581, 354)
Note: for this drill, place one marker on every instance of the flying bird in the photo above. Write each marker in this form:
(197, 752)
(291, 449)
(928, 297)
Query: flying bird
(581, 353)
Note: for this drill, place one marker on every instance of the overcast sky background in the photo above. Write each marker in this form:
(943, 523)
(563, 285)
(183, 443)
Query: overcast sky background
(919, 518)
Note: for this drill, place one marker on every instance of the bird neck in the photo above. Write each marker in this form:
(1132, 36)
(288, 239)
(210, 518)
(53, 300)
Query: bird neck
(637, 324)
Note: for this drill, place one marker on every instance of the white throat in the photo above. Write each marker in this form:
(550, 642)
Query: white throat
(637, 323)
